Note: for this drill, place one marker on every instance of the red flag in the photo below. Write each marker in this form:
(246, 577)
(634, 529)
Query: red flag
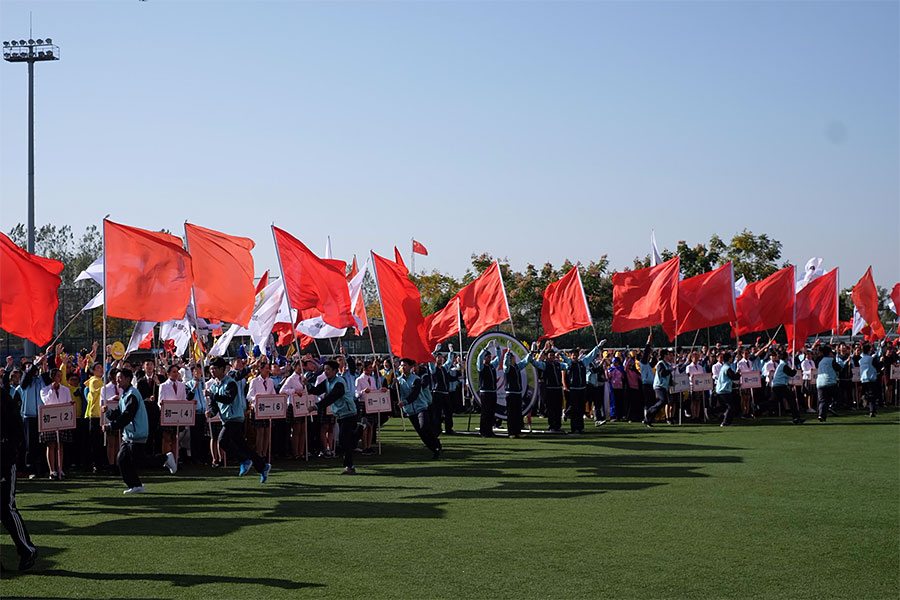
(223, 274)
(399, 259)
(845, 326)
(865, 297)
(147, 342)
(706, 300)
(28, 292)
(147, 274)
(353, 270)
(401, 307)
(895, 297)
(766, 304)
(314, 283)
(483, 302)
(565, 306)
(816, 310)
(263, 282)
(646, 297)
(443, 324)
(419, 248)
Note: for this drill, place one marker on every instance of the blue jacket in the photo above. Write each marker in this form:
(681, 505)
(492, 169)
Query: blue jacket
(227, 399)
(410, 393)
(725, 383)
(828, 369)
(338, 394)
(131, 417)
(30, 391)
(868, 368)
(663, 376)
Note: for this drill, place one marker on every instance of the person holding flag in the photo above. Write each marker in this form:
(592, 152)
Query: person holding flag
(576, 382)
(512, 372)
(487, 388)
(869, 365)
(415, 406)
(548, 364)
(336, 393)
(724, 389)
(780, 389)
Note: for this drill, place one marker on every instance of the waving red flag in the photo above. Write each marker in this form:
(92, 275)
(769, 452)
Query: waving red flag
(816, 310)
(865, 297)
(401, 307)
(646, 297)
(565, 306)
(28, 292)
(419, 248)
(399, 259)
(223, 274)
(262, 283)
(483, 302)
(895, 297)
(147, 274)
(706, 300)
(353, 269)
(442, 324)
(766, 304)
(312, 282)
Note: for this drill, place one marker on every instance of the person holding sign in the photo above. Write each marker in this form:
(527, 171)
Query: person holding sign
(295, 384)
(697, 397)
(725, 387)
(131, 418)
(56, 393)
(225, 400)
(171, 390)
(343, 403)
(261, 384)
(780, 389)
(366, 383)
(415, 407)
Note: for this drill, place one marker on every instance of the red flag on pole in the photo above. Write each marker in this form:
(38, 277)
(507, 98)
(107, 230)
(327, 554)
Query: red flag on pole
(766, 304)
(706, 300)
(646, 297)
(223, 274)
(483, 302)
(816, 310)
(399, 259)
(895, 298)
(442, 324)
(401, 307)
(353, 270)
(29, 297)
(565, 306)
(419, 248)
(147, 274)
(312, 282)
(865, 297)
(263, 282)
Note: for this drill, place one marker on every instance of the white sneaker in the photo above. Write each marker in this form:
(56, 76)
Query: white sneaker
(136, 490)
(171, 465)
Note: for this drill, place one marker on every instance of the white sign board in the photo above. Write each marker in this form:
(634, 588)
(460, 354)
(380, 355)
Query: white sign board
(701, 382)
(270, 406)
(378, 402)
(56, 417)
(895, 371)
(855, 376)
(681, 382)
(179, 413)
(300, 404)
(751, 379)
(796, 379)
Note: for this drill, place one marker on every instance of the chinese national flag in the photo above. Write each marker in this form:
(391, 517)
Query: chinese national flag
(483, 302)
(865, 297)
(148, 274)
(646, 297)
(223, 274)
(443, 324)
(399, 259)
(419, 248)
(706, 300)
(565, 306)
(28, 292)
(314, 283)
(816, 310)
(766, 304)
(401, 307)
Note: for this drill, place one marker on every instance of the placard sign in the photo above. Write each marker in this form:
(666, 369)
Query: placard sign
(179, 413)
(378, 402)
(701, 382)
(312, 404)
(270, 406)
(681, 382)
(796, 380)
(811, 374)
(855, 376)
(895, 371)
(751, 379)
(56, 417)
(300, 403)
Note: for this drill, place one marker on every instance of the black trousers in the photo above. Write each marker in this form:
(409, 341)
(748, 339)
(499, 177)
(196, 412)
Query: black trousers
(871, 391)
(154, 436)
(575, 398)
(199, 440)
(488, 412)
(9, 514)
(647, 393)
(97, 453)
(662, 398)
(514, 413)
(434, 415)
(233, 442)
(426, 434)
(783, 393)
(348, 436)
(635, 404)
(732, 406)
(444, 412)
(594, 395)
(553, 407)
(827, 396)
(32, 446)
(133, 455)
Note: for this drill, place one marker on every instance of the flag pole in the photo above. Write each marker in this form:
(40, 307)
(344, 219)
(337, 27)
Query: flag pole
(387, 335)
(286, 295)
(105, 299)
(63, 330)
(462, 360)
(506, 299)
(586, 307)
(412, 254)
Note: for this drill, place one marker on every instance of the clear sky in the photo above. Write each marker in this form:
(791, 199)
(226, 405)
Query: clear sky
(535, 131)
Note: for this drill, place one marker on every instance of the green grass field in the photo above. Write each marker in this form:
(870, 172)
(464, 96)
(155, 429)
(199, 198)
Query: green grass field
(759, 510)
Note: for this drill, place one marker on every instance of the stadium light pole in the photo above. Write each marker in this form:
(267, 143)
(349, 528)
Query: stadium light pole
(31, 51)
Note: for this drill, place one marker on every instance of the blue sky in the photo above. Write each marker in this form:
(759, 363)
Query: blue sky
(533, 131)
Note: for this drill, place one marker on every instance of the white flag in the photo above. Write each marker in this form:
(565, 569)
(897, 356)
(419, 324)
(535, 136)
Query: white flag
(270, 304)
(356, 293)
(655, 258)
(223, 342)
(739, 286)
(812, 271)
(328, 253)
(94, 302)
(93, 272)
(858, 322)
(141, 329)
(319, 329)
(179, 331)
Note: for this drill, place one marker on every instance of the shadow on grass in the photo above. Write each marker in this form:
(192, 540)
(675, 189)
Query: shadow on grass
(181, 579)
(539, 489)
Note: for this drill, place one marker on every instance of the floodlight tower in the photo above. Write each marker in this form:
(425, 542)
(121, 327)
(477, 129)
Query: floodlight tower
(30, 52)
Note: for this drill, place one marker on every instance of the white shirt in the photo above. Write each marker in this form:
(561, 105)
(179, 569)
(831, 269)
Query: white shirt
(695, 369)
(258, 385)
(365, 381)
(172, 390)
(744, 365)
(715, 370)
(807, 366)
(293, 385)
(58, 396)
(109, 391)
(769, 370)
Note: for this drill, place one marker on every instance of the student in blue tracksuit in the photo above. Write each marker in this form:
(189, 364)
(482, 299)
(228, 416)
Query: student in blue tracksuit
(337, 393)
(661, 380)
(487, 388)
(869, 366)
(441, 381)
(131, 418)
(725, 389)
(827, 379)
(781, 391)
(576, 382)
(512, 373)
(226, 398)
(415, 405)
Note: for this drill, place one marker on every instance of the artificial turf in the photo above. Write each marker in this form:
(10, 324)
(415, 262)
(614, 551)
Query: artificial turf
(758, 510)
